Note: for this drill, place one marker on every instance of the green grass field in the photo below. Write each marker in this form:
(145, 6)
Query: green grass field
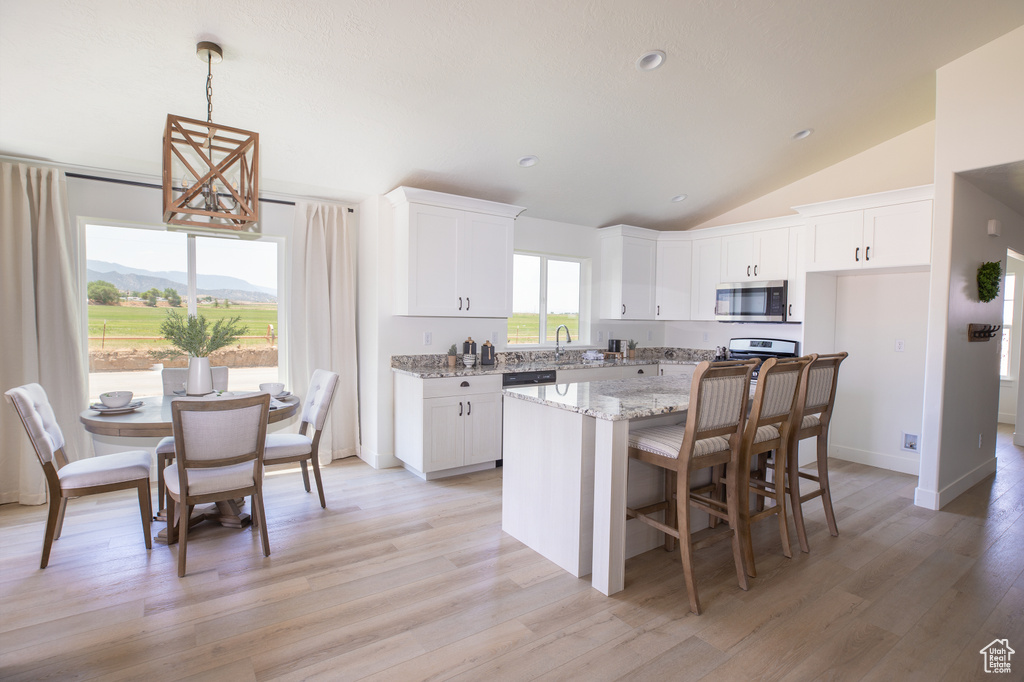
(135, 321)
(525, 327)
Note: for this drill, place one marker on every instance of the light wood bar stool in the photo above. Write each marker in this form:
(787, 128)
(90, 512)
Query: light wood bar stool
(711, 436)
(769, 424)
(815, 400)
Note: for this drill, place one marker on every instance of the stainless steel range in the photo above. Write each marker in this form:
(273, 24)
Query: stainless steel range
(744, 348)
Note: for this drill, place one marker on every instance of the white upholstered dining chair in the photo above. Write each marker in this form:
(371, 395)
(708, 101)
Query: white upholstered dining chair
(173, 379)
(219, 452)
(301, 447)
(87, 476)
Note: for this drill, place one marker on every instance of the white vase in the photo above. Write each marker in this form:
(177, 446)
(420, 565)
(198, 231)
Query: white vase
(200, 378)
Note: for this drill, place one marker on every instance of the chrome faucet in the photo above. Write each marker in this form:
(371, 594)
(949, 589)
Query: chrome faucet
(568, 339)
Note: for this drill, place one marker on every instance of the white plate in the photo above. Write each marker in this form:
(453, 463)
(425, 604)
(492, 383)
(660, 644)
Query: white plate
(103, 409)
(283, 394)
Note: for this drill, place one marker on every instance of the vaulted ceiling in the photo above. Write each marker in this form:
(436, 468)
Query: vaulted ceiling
(353, 98)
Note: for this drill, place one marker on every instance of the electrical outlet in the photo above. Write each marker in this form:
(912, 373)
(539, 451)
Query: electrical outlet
(706, 336)
(494, 338)
(650, 335)
(428, 338)
(910, 442)
(899, 345)
(600, 337)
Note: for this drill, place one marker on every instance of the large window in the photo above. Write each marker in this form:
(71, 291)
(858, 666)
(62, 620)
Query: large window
(1006, 364)
(136, 275)
(545, 294)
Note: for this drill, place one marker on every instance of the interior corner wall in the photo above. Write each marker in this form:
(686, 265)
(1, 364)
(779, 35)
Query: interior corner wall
(907, 160)
(978, 112)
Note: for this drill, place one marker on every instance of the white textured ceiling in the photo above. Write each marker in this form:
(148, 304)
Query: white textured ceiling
(355, 98)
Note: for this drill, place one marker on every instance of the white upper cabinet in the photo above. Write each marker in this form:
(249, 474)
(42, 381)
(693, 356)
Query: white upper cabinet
(628, 265)
(705, 276)
(761, 254)
(887, 230)
(674, 278)
(453, 255)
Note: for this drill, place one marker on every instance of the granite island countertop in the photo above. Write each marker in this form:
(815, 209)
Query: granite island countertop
(436, 366)
(613, 399)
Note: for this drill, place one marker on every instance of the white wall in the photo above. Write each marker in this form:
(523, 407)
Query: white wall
(907, 160)
(979, 109)
(881, 391)
(1008, 387)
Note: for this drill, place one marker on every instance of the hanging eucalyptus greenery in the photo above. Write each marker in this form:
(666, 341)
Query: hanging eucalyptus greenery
(989, 275)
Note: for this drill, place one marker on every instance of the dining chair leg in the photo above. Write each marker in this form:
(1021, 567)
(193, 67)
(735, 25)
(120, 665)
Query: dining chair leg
(305, 475)
(685, 546)
(51, 526)
(258, 505)
(314, 460)
(183, 523)
(779, 495)
(793, 477)
(739, 523)
(717, 474)
(172, 521)
(60, 517)
(762, 473)
(162, 463)
(826, 495)
(146, 508)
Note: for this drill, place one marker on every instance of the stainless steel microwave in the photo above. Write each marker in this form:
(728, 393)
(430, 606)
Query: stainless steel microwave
(763, 301)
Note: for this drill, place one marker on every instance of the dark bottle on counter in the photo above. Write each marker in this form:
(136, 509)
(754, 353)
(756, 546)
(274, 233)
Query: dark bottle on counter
(469, 346)
(487, 353)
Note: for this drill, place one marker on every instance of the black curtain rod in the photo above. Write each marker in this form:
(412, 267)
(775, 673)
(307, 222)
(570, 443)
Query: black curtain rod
(136, 183)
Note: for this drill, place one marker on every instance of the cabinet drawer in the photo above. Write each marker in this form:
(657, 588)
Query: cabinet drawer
(455, 386)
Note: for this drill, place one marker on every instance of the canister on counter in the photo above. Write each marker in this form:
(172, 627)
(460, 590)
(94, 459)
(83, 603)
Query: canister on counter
(469, 346)
(487, 353)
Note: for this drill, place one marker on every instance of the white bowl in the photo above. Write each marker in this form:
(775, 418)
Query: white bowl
(116, 398)
(469, 359)
(273, 388)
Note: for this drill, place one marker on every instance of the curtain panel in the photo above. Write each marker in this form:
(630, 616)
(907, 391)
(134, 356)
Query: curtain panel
(322, 317)
(41, 334)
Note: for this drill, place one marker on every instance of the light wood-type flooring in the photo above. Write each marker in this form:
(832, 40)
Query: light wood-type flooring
(405, 580)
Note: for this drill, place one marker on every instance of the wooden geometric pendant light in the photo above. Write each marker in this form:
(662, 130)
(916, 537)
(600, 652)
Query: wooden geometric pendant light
(210, 171)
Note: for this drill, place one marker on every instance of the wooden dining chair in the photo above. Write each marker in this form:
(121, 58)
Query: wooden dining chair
(87, 476)
(300, 447)
(815, 401)
(768, 428)
(711, 436)
(219, 451)
(173, 379)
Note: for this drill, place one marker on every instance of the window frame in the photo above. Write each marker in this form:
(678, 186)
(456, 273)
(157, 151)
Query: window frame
(584, 312)
(283, 271)
(1014, 326)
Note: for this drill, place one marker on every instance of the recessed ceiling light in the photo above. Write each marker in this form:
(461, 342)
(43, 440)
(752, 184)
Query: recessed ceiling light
(806, 132)
(679, 197)
(649, 61)
(528, 161)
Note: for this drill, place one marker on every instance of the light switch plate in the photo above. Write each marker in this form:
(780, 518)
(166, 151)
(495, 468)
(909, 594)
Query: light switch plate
(428, 338)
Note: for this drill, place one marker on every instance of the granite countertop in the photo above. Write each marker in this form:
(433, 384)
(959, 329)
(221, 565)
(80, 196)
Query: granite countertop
(436, 366)
(615, 399)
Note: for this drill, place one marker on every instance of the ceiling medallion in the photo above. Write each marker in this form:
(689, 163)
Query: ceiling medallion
(210, 171)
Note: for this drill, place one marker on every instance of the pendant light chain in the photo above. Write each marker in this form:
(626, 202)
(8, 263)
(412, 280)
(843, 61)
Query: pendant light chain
(209, 88)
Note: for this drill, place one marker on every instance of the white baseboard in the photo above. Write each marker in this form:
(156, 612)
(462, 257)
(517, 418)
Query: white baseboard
(1008, 418)
(910, 464)
(377, 460)
(445, 473)
(931, 499)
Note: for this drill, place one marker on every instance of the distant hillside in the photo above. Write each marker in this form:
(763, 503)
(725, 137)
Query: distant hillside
(141, 282)
(205, 283)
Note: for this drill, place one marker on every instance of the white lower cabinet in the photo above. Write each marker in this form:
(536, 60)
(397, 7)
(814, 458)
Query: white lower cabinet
(673, 370)
(573, 376)
(447, 426)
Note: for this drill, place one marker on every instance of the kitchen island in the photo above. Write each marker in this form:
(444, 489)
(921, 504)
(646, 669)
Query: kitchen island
(565, 464)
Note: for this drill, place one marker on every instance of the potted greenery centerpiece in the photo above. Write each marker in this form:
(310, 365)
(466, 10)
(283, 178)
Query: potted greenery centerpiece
(453, 355)
(196, 338)
(631, 347)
